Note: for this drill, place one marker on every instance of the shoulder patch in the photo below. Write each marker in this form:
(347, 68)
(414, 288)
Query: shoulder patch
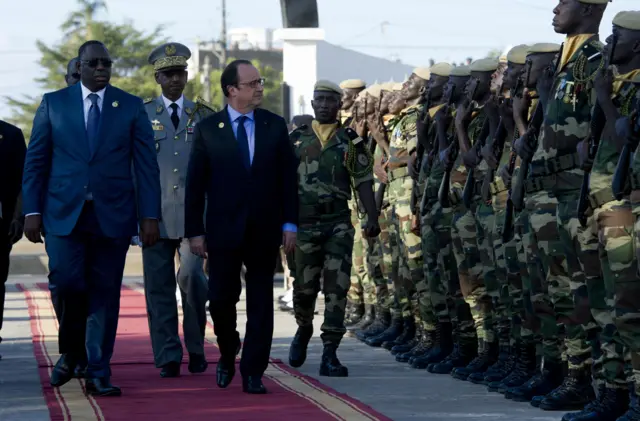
(148, 100)
(295, 134)
(205, 104)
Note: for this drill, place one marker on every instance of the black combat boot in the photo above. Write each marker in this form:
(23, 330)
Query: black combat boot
(507, 356)
(379, 325)
(573, 394)
(633, 413)
(330, 365)
(488, 355)
(390, 334)
(442, 347)
(365, 322)
(424, 345)
(298, 349)
(524, 368)
(463, 353)
(543, 382)
(408, 345)
(354, 314)
(408, 332)
(608, 406)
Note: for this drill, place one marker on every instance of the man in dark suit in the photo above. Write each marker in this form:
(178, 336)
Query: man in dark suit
(12, 152)
(78, 191)
(243, 163)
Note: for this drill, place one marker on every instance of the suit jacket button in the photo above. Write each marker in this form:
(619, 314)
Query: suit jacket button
(176, 138)
(175, 153)
(175, 187)
(175, 170)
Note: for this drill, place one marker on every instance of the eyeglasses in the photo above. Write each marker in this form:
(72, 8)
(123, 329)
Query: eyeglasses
(254, 83)
(94, 62)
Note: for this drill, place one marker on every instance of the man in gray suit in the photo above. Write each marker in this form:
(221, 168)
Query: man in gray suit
(173, 118)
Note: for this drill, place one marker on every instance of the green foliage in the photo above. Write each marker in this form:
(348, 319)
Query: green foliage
(129, 48)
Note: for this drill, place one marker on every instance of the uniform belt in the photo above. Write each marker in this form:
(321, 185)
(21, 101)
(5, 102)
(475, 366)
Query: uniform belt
(634, 178)
(555, 165)
(497, 186)
(601, 197)
(536, 184)
(324, 211)
(398, 173)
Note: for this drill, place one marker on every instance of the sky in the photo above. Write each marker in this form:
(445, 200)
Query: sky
(412, 31)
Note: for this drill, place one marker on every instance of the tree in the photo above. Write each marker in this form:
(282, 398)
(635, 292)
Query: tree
(128, 47)
(271, 101)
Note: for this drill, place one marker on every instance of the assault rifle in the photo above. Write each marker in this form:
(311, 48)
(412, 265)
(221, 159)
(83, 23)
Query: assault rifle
(469, 185)
(621, 185)
(443, 192)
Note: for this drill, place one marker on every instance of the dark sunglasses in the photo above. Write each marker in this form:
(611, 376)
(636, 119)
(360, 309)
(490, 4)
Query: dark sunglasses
(94, 62)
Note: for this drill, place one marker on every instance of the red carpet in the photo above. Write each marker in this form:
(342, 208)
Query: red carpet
(292, 396)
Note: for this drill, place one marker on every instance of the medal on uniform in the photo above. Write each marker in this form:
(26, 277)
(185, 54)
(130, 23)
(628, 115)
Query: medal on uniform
(560, 95)
(157, 146)
(190, 130)
(363, 160)
(188, 111)
(159, 109)
(156, 126)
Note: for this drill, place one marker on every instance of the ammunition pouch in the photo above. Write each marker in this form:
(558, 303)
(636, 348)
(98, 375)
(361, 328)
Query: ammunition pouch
(601, 197)
(537, 184)
(497, 186)
(328, 211)
(544, 172)
(398, 173)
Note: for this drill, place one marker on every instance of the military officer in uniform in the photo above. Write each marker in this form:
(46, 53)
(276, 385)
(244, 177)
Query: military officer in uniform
(173, 118)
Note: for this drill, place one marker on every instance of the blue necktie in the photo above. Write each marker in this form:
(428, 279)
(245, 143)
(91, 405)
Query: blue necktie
(93, 122)
(243, 141)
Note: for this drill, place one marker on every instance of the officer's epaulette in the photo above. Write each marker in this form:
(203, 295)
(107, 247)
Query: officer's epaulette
(295, 134)
(205, 104)
(351, 135)
(148, 100)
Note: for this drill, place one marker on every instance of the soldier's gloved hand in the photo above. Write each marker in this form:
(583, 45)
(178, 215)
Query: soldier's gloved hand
(523, 148)
(583, 155)
(445, 157)
(371, 228)
(412, 167)
(504, 174)
(489, 156)
(470, 158)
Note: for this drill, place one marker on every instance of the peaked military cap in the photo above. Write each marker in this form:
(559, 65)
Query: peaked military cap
(375, 90)
(422, 72)
(544, 47)
(441, 69)
(485, 65)
(353, 84)
(628, 20)
(172, 55)
(327, 86)
(518, 54)
(461, 71)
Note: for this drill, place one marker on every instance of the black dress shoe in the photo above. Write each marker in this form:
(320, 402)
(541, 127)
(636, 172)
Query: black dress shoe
(253, 385)
(101, 386)
(171, 369)
(224, 373)
(80, 371)
(63, 371)
(197, 363)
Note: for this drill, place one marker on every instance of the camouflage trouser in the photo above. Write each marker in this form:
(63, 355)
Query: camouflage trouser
(410, 245)
(485, 223)
(362, 289)
(385, 257)
(542, 247)
(464, 229)
(611, 229)
(323, 250)
(627, 307)
(502, 307)
(569, 295)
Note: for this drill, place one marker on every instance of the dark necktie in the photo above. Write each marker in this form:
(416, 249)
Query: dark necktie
(174, 115)
(93, 121)
(243, 141)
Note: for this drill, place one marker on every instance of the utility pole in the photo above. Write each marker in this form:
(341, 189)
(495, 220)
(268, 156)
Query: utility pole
(223, 36)
(206, 82)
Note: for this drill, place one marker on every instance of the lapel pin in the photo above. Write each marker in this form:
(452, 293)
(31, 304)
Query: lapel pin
(221, 125)
(115, 104)
(187, 110)
(159, 109)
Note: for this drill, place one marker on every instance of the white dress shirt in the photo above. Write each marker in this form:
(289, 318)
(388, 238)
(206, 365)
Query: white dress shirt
(87, 102)
(168, 102)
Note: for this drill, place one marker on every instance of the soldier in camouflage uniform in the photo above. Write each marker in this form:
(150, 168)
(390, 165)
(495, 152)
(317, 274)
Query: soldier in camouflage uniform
(612, 223)
(333, 161)
(520, 272)
(403, 143)
(554, 183)
(173, 118)
(473, 221)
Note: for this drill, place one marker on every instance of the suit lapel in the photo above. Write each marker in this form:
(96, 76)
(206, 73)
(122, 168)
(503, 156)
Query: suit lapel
(184, 117)
(76, 111)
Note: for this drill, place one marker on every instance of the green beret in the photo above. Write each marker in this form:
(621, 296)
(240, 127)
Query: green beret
(172, 55)
(461, 71)
(441, 69)
(518, 54)
(375, 90)
(387, 86)
(544, 47)
(327, 86)
(353, 84)
(422, 72)
(594, 1)
(628, 20)
(485, 65)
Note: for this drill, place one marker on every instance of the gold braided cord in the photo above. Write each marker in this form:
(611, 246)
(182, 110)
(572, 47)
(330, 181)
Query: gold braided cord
(625, 108)
(579, 73)
(173, 61)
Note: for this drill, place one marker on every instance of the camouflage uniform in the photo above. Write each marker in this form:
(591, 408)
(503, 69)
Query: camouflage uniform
(325, 235)
(403, 141)
(363, 289)
(611, 229)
